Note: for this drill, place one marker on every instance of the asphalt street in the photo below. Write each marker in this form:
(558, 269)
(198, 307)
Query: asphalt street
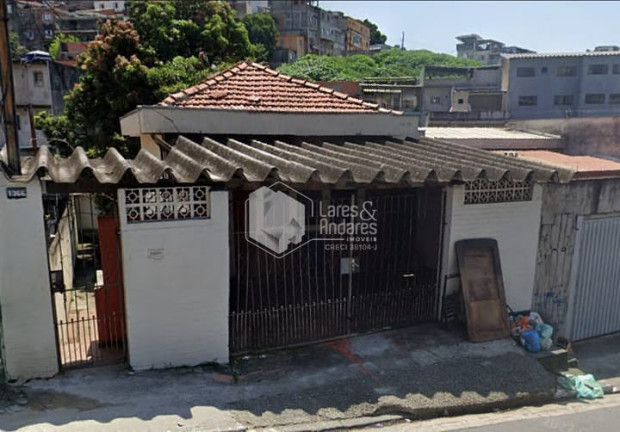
(603, 420)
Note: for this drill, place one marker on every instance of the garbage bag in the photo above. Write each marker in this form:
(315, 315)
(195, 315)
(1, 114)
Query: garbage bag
(545, 331)
(585, 385)
(530, 340)
(536, 317)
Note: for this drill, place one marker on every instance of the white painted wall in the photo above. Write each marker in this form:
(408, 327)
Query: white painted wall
(177, 302)
(25, 298)
(155, 119)
(514, 225)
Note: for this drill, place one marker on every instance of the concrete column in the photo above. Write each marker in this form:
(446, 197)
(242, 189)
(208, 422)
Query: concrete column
(25, 298)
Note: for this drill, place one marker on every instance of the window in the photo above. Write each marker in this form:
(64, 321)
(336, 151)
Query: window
(595, 98)
(436, 100)
(526, 72)
(565, 71)
(49, 33)
(598, 69)
(528, 100)
(461, 101)
(19, 122)
(38, 78)
(563, 100)
(615, 69)
(47, 17)
(543, 69)
(614, 98)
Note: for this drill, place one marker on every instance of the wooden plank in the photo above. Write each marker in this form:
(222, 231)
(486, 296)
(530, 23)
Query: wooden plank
(483, 289)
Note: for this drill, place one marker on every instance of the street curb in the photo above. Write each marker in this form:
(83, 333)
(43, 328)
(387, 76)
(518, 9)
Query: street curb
(330, 425)
(394, 413)
(426, 413)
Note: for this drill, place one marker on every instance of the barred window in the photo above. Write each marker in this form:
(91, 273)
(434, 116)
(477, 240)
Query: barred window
(563, 100)
(598, 69)
(528, 100)
(168, 203)
(566, 71)
(481, 191)
(524, 72)
(595, 98)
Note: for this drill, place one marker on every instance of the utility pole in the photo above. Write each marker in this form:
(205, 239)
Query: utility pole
(402, 42)
(8, 95)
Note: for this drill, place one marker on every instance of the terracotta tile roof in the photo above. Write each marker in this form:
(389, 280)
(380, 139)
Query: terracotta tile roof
(584, 166)
(253, 87)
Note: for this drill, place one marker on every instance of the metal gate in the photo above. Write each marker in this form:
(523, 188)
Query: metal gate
(595, 293)
(86, 279)
(306, 296)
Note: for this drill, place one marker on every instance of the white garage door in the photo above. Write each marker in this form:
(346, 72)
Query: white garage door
(595, 301)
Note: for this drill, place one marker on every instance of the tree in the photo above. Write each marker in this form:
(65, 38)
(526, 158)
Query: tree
(61, 38)
(114, 81)
(17, 49)
(263, 34)
(187, 28)
(175, 75)
(389, 63)
(376, 37)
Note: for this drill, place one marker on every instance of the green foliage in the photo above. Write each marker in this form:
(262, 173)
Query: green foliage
(17, 49)
(58, 131)
(113, 82)
(263, 34)
(390, 63)
(61, 38)
(190, 28)
(376, 37)
(175, 75)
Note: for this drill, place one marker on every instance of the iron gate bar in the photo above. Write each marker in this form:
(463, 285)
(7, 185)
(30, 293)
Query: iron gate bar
(88, 329)
(302, 298)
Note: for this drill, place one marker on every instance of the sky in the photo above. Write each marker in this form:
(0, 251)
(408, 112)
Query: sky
(537, 25)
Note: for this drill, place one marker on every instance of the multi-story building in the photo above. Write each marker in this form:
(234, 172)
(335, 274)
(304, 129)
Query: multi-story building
(245, 7)
(486, 51)
(116, 6)
(461, 93)
(33, 21)
(298, 25)
(40, 85)
(81, 23)
(562, 84)
(357, 39)
(305, 28)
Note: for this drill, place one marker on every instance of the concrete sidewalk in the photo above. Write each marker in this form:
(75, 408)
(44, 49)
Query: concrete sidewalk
(601, 357)
(414, 373)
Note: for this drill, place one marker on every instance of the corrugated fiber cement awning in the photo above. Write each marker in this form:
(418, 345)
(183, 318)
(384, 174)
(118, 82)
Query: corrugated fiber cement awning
(410, 162)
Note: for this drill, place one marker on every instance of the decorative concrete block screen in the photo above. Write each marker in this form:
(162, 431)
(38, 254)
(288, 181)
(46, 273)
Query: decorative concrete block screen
(167, 203)
(481, 191)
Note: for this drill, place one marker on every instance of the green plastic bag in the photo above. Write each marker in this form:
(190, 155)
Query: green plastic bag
(585, 385)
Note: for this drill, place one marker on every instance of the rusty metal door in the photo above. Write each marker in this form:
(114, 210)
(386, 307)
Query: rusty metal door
(86, 279)
(319, 293)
